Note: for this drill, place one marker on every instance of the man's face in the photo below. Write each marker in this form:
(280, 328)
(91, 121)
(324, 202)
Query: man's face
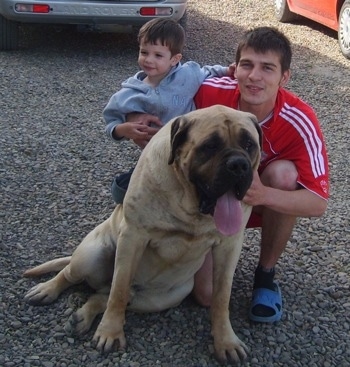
(259, 77)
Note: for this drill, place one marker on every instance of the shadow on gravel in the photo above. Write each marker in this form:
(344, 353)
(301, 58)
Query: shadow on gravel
(68, 41)
(47, 38)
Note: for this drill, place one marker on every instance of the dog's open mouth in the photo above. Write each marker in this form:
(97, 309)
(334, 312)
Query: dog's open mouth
(226, 211)
(220, 195)
(228, 214)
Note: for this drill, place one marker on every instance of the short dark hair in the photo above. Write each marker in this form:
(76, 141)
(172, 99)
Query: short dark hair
(264, 39)
(166, 31)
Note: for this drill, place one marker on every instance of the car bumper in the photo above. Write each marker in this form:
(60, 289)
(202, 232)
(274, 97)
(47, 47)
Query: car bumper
(92, 12)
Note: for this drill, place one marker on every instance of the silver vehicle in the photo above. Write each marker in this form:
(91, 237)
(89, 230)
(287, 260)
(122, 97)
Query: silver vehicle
(95, 15)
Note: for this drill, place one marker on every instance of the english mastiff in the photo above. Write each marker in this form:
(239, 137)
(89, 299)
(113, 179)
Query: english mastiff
(184, 199)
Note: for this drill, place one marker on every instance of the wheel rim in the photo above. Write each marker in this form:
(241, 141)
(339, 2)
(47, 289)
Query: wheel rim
(344, 30)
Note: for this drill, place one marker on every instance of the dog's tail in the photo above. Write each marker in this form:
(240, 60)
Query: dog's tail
(55, 265)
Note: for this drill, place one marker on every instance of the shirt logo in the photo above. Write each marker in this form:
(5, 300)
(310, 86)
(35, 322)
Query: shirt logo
(324, 186)
(178, 100)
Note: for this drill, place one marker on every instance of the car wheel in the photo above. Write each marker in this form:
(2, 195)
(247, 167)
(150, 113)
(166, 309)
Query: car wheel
(344, 29)
(8, 34)
(282, 12)
(183, 21)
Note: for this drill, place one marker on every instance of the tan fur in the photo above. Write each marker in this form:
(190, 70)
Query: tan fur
(157, 240)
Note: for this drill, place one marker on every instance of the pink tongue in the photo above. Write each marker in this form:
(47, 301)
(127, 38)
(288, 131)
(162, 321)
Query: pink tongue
(228, 214)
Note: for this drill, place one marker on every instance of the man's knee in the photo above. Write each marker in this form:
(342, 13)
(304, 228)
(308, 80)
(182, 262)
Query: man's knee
(203, 282)
(202, 295)
(281, 175)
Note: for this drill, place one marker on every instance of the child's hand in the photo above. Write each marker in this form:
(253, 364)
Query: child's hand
(139, 127)
(152, 123)
(131, 130)
(231, 70)
(145, 119)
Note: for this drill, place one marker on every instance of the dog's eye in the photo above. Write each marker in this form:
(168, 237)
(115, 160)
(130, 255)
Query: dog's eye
(247, 142)
(209, 149)
(210, 146)
(248, 145)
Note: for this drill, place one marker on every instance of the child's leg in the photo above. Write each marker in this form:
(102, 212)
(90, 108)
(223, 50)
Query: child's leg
(120, 185)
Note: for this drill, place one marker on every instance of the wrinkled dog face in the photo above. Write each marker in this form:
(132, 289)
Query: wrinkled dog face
(217, 149)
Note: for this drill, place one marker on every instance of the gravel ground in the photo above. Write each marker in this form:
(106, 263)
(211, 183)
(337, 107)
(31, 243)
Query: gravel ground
(56, 169)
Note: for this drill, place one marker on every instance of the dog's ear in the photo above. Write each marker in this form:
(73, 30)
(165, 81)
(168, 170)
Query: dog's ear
(179, 129)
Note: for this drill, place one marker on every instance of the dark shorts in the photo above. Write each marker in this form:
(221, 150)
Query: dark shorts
(255, 221)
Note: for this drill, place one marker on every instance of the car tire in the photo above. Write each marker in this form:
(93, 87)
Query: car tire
(282, 12)
(8, 34)
(344, 29)
(183, 21)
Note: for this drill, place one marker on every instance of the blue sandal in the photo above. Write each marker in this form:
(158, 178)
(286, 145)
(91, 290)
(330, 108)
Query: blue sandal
(263, 300)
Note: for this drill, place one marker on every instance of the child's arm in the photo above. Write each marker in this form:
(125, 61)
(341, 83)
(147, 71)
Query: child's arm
(124, 121)
(215, 71)
(199, 74)
(113, 117)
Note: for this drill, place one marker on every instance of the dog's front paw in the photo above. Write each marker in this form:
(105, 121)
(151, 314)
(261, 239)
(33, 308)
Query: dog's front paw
(109, 335)
(230, 349)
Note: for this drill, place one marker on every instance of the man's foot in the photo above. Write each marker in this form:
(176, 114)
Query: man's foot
(266, 305)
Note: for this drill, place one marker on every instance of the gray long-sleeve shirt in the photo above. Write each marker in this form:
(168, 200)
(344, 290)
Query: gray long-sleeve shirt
(172, 97)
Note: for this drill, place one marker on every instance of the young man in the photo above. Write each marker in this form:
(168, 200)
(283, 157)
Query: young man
(164, 87)
(293, 175)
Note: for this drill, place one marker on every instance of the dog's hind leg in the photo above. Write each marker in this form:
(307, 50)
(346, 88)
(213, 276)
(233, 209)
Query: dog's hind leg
(74, 273)
(92, 262)
(80, 321)
(45, 293)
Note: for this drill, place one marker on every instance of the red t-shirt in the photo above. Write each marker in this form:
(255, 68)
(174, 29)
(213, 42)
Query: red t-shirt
(292, 132)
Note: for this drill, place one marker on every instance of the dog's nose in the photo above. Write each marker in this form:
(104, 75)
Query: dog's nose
(238, 166)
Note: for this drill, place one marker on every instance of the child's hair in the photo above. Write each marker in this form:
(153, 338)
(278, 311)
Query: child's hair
(166, 31)
(264, 39)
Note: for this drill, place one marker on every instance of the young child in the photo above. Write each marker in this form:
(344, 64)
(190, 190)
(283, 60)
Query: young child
(164, 87)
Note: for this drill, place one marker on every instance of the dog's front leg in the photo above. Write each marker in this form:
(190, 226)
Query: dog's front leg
(228, 347)
(111, 328)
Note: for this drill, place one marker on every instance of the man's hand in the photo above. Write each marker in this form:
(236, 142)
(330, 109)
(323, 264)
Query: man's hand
(256, 193)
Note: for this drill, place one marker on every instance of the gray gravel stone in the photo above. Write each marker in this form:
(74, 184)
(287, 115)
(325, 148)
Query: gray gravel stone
(57, 166)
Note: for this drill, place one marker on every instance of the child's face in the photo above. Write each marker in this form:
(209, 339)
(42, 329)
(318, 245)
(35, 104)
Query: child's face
(156, 60)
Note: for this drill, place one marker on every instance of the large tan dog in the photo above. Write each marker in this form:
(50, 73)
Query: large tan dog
(183, 201)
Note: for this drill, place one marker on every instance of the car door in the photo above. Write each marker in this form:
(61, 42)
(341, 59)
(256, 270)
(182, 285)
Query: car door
(321, 11)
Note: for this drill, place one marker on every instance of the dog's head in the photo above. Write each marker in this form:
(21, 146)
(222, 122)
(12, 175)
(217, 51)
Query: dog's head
(216, 149)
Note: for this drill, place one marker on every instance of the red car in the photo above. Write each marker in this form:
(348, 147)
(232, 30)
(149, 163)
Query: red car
(334, 14)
